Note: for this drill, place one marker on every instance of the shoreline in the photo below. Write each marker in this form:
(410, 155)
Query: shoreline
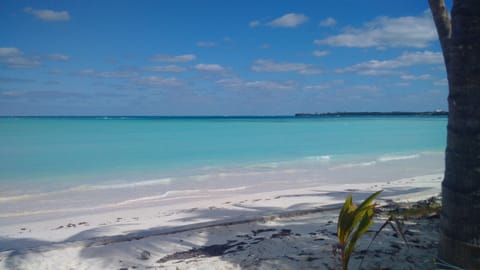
(76, 199)
(202, 208)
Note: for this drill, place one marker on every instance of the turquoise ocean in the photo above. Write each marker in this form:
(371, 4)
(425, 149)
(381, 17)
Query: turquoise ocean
(42, 157)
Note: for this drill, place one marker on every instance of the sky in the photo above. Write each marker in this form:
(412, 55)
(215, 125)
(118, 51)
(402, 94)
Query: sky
(212, 57)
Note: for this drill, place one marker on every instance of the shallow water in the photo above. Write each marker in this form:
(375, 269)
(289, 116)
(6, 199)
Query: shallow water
(47, 162)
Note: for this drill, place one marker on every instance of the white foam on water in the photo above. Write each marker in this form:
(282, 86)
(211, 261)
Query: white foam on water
(162, 181)
(318, 158)
(86, 188)
(397, 157)
(354, 165)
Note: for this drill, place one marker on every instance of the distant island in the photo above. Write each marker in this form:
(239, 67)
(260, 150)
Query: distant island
(435, 113)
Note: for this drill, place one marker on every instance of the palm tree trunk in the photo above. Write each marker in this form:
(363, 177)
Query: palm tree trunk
(460, 218)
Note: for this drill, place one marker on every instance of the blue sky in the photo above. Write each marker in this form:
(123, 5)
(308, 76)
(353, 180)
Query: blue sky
(218, 57)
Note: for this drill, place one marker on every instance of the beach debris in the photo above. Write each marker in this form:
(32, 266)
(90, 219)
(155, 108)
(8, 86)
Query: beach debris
(282, 233)
(22, 230)
(397, 227)
(72, 225)
(206, 251)
(255, 232)
(429, 208)
(145, 255)
(246, 236)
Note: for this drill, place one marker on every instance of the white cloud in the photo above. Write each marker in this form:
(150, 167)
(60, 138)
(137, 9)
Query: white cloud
(310, 71)
(43, 94)
(320, 53)
(377, 72)
(9, 52)
(328, 22)
(20, 62)
(174, 59)
(383, 32)
(168, 68)
(231, 82)
(58, 57)
(270, 85)
(114, 74)
(272, 66)
(418, 58)
(265, 46)
(155, 81)
(48, 15)
(367, 87)
(239, 84)
(12, 58)
(15, 80)
(416, 78)
(289, 20)
(11, 94)
(206, 44)
(254, 23)
(377, 67)
(442, 82)
(317, 87)
(210, 67)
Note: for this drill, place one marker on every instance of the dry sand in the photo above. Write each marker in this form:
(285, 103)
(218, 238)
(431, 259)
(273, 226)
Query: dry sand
(284, 229)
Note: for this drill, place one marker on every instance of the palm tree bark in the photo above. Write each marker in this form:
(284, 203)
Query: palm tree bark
(460, 217)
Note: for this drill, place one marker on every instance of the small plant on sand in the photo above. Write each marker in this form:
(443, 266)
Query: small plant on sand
(353, 222)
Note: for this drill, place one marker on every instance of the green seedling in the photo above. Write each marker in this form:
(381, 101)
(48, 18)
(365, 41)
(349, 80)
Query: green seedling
(353, 222)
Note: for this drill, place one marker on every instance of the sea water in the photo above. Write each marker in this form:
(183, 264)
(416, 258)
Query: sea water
(45, 161)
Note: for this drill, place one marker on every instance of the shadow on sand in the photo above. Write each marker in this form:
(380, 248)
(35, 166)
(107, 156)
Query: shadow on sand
(246, 237)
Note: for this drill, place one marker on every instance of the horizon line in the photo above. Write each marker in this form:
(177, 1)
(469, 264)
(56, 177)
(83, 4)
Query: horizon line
(234, 115)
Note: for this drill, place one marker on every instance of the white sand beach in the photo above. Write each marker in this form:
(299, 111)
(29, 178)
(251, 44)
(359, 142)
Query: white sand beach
(228, 134)
(291, 228)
